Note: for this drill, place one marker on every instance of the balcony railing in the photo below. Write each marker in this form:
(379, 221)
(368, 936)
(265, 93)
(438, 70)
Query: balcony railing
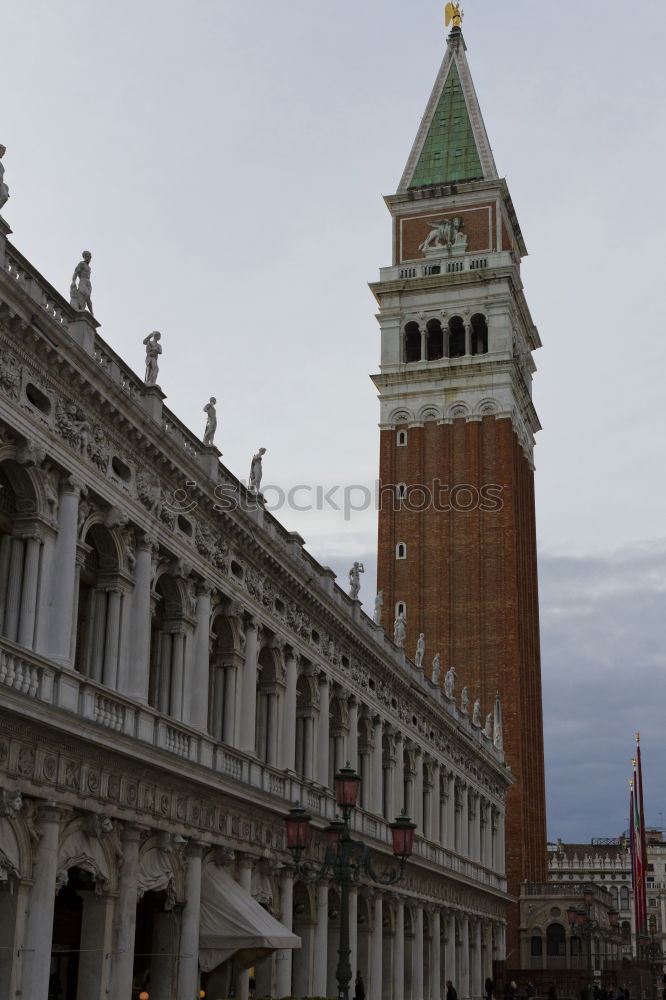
(445, 265)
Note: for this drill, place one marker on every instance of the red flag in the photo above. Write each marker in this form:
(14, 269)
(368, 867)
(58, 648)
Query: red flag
(642, 925)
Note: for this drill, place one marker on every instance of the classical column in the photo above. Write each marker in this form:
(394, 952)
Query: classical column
(463, 971)
(177, 675)
(435, 808)
(188, 959)
(5, 555)
(471, 825)
(111, 638)
(249, 688)
(488, 836)
(464, 821)
(196, 707)
(352, 739)
(376, 803)
(98, 616)
(468, 338)
(399, 776)
(417, 954)
(476, 981)
(450, 970)
(487, 971)
(308, 746)
(500, 858)
(246, 866)
(424, 343)
(451, 813)
(288, 747)
(388, 765)
(435, 955)
(322, 738)
(272, 728)
(376, 949)
(135, 681)
(124, 918)
(13, 605)
(164, 674)
(229, 725)
(39, 929)
(284, 957)
(418, 796)
(399, 952)
(26, 629)
(321, 942)
(63, 596)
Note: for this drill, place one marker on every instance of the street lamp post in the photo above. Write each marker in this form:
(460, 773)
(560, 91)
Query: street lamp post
(346, 859)
(586, 925)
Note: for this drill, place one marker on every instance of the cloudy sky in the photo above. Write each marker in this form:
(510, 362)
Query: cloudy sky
(225, 164)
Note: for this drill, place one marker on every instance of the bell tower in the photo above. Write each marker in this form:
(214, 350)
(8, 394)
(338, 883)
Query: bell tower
(457, 538)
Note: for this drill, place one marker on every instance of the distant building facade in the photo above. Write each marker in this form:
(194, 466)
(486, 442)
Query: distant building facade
(656, 893)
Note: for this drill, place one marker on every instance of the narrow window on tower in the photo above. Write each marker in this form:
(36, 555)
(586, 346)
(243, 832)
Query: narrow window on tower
(401, 551)
(412, 343)
(479, 334)
(401, 439)
(401, 609)
(435, 340)
(401, 491)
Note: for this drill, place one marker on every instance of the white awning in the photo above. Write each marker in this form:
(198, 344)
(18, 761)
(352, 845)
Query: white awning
(233, 923)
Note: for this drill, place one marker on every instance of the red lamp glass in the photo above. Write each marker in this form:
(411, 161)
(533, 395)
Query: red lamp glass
(332, 834)
(402, 832)
(297, 822)
(588, 895)
(571, 914)
(347, 783)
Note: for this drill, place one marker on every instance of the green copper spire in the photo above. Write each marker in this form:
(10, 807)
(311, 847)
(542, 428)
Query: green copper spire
(449, 152)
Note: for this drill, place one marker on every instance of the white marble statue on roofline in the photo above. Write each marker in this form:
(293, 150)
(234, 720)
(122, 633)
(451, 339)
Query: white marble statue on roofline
(4, 190)
(420, 650)
(256, 471)
(153, 351)
(379, 603)
(436, 668)
(80, 295)
(476, 714)
(211, 421)
(464, 700)
(450, 682)
(400, 630)
(488, 730)
(355, 580)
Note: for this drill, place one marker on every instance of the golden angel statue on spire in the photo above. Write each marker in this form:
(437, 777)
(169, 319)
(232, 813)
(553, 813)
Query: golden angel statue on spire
(453, 13)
